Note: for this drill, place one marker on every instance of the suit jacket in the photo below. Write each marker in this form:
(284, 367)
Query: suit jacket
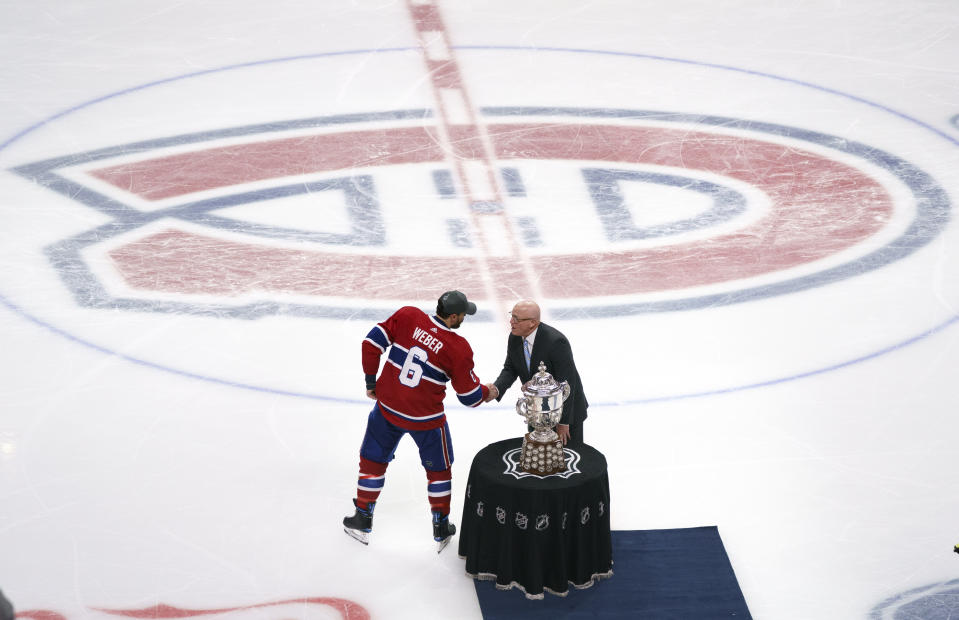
(551, 347)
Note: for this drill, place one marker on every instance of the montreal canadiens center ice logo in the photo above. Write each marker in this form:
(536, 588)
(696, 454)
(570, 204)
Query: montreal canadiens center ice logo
(615, 211)
(184, 206)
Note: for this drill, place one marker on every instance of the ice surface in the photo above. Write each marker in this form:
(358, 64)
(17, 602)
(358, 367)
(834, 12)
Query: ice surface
(181, 404)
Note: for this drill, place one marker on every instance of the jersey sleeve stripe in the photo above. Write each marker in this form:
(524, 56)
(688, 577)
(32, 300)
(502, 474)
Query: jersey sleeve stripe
(378, 338)
(472, 399)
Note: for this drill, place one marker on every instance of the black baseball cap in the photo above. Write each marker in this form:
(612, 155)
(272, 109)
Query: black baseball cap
(455, 302)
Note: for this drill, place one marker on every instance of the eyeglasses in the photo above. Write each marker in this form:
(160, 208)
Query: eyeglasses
(514, 319)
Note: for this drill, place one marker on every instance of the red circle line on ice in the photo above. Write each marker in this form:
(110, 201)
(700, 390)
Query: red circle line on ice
(345, 609)
(820, 206)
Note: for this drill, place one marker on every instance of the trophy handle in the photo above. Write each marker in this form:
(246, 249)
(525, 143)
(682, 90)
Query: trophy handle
(567, 390)
(522, 407)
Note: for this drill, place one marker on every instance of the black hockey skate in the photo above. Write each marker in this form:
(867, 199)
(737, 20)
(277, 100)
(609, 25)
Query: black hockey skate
(443, 530)
(360, 524)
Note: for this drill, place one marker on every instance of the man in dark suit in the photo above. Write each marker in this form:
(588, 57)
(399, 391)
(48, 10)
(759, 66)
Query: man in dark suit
(6, 609)
(531, 342)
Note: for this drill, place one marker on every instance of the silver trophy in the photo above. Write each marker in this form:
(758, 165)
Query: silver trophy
(542, 406)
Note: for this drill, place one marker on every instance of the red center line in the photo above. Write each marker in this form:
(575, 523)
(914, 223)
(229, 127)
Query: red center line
(468, 148)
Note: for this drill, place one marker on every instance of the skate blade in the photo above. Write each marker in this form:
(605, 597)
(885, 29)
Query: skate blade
(441, 544)
(360, 535)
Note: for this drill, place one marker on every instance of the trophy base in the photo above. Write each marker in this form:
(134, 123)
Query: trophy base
(542, 456)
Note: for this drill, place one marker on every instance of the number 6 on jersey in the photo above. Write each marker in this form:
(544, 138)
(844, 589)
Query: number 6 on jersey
(412, 370)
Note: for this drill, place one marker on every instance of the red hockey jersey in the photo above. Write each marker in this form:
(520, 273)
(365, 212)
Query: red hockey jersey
(423, 355)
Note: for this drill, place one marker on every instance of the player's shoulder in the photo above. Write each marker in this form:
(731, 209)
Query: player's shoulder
(410, 310)
(452, 336)
(410, 313)
(448, 335)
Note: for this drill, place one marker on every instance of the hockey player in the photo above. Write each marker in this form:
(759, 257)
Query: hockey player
(423, 353)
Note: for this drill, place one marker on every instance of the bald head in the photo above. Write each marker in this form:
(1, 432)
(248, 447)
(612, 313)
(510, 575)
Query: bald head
(524, 318)
(526, 308)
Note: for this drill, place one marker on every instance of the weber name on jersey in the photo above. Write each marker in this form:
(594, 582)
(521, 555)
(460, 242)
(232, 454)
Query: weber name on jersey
(423, 354)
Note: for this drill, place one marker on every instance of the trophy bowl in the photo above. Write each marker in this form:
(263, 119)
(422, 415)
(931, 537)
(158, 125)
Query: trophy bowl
(542, 406)
(541, 412)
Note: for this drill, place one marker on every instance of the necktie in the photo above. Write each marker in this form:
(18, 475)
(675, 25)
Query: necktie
(526, 352)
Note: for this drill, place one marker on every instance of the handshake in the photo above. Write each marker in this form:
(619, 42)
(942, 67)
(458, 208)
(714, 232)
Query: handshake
(493, 392)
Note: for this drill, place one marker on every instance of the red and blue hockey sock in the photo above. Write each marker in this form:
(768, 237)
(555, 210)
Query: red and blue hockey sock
(440, 489)
(370, 482)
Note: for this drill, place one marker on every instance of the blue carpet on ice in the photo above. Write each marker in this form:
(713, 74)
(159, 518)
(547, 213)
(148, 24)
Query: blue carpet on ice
(679, 574)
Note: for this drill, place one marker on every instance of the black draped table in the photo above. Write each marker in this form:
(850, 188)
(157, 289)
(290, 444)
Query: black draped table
(537, 533)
